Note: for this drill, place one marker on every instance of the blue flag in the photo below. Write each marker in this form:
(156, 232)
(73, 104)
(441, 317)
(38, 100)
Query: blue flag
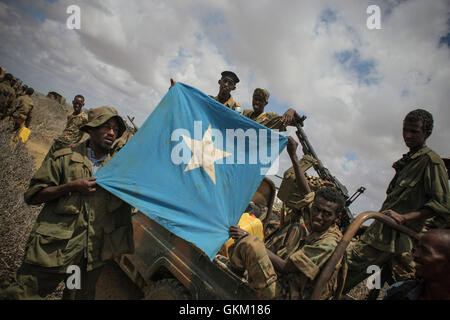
(193, 166)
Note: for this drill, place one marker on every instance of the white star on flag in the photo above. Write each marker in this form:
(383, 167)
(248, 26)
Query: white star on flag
(204, 154)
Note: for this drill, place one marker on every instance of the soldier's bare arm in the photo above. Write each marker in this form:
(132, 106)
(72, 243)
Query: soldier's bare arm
(418, 215)
(300, 178)
(288, 117)
(237, 232)
(281, 265)
(83, 186)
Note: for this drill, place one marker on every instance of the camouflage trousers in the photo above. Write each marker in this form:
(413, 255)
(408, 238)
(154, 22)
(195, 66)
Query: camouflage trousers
(34, 282)
(361, 255)
(249, 253)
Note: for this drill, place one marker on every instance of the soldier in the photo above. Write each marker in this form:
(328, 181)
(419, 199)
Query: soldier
(227, 84)
(294, 277)
(17, 86)
(81, 223)
(418, 191)
(293, 202)
(285, 239)
(72, 133)
(269, 119)
(20, 112)
(7, 94)
(23, 90)
(432, 258)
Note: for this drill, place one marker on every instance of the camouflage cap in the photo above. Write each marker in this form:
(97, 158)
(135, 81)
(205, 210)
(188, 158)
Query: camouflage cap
(98, 116)
(262, 93)
(230, 75)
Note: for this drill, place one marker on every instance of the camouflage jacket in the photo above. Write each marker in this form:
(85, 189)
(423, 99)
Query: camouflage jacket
(285, 241)
(76, 224)
(230, 103)
(314, 251)
(72, 133)
(7, 96)
(288, 192)
(309, 254)
(21, 109)
(420, 181)
(271, 120)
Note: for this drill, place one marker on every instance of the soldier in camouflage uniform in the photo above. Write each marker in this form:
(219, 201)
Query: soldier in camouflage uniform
(418, 191)
(271, 120)
(20, 112)
(7, 94)
(227, 84)
(81, 223)
(17, 87)
(293, 202)
(23, 90)
(72, 133)
(294, 276)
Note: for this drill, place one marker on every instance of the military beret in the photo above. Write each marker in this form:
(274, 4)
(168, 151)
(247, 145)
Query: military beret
(99, 116)
(262, 93)
(230, 75)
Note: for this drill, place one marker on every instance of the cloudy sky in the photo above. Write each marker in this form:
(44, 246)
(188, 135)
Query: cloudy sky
(354, 84)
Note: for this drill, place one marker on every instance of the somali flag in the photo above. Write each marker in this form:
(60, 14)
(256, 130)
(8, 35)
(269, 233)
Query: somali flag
(193, 166)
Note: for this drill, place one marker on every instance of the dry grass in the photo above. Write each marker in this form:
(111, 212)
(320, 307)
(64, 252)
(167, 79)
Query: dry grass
(16, 218)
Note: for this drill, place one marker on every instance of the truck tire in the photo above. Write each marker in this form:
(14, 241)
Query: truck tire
(168, 289)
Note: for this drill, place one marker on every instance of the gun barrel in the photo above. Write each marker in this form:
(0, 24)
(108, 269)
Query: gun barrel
(305, 142)
(323, 172)
(132, 122)
(355, 195)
